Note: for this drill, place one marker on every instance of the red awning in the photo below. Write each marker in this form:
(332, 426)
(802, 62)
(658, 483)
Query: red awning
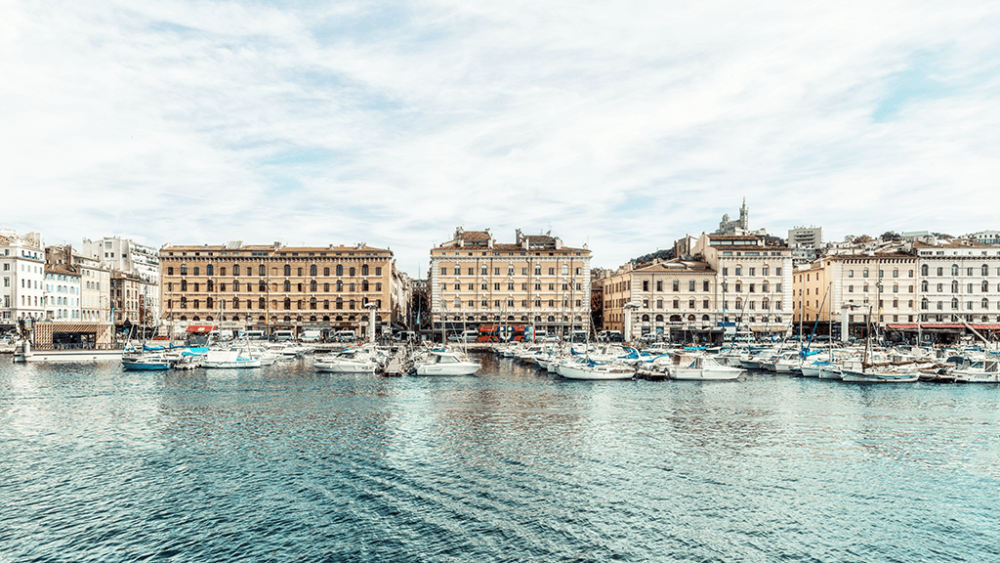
(986, 327)
(201, 329)
(899, 327)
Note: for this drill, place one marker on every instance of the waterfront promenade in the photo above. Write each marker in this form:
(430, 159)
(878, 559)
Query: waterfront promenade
(284, 464)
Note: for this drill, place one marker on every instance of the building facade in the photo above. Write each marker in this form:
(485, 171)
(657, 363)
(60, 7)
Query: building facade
(959, 288)
(844, 292)
(275, 287)
(125, 255)
(534, 282)
(62, 293)
(675, 298)
(754, 282)
(22, 266)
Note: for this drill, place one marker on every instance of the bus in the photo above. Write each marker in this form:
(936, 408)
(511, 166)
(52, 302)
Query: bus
(493, 333)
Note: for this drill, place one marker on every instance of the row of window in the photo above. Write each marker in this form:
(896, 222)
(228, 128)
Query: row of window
(969, 288)
(485, 271)
(765, 304)
(510, 286)
(499, 303)
(764, 271)
(925, 304)
(262, 270)
(984, 270)
(286, 304)
(313, 286)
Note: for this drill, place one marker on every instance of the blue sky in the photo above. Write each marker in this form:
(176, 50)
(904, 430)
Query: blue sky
(624, 125)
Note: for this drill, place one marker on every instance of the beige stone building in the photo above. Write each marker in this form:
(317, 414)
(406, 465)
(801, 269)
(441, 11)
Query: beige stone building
(670, 298)
(276, 287)
(534, 282)
(754, 281)
(842, 287)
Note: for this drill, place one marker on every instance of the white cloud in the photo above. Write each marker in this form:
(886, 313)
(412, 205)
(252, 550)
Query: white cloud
(625, 124)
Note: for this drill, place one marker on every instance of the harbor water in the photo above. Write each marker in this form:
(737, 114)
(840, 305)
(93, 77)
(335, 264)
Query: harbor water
(284, 464)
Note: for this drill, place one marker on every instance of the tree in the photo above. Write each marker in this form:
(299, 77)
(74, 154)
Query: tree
(597, 310)
(890, 235)
(863, 239)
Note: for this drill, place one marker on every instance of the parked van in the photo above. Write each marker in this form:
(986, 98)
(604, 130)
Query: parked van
(311, 336)
(578, 336)
(345, 336)
(254, 334)
(471, 336)
(283, 335)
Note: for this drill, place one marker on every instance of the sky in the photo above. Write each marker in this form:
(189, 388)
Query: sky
(621, 125)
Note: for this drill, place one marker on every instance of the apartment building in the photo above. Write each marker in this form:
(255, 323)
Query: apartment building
(535, 281)
(22, 266)
(667, 298)
(276, 287)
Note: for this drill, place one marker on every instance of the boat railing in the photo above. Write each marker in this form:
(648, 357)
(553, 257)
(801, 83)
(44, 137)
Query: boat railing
(79, 346)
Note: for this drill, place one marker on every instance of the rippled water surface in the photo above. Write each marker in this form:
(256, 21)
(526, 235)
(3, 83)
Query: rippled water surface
(284, 464)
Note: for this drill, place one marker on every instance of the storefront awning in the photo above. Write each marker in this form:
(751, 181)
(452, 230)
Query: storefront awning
(986, 327)
(902, 327)
(200, 329)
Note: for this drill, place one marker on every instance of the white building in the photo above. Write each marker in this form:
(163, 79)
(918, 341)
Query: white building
(985, 237)
(62, 293)
(754, 281)
(126, 256)
(22, 266)
(959, 283)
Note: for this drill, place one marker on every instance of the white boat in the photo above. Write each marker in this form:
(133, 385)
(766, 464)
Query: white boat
(700, 367)
(229, 359)
(352, 360)
(445, 363)
(878, 376)
(583, 368)
(979, 371)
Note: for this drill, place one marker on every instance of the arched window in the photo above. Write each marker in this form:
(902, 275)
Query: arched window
(340, 303)
(261, 270)
(210, 286)
(704, 317)
(340, 286)
(659, 318)
(954, 303)
(312, 285)
(954, 287)
(364, 269)
(288, 270)
(236, 269)
(364, 285)
(923, 270)
(645, 318)
(986, 303)
(739, 304)
(458, 303)
(675, 318)
(923, 286)
(690, 317)
(340, 270)
(210, 270)
(954, 269)
(288, 286)
(288, 304)
(236, 303)
(261, 304)
(210, 303)
(312, 303)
